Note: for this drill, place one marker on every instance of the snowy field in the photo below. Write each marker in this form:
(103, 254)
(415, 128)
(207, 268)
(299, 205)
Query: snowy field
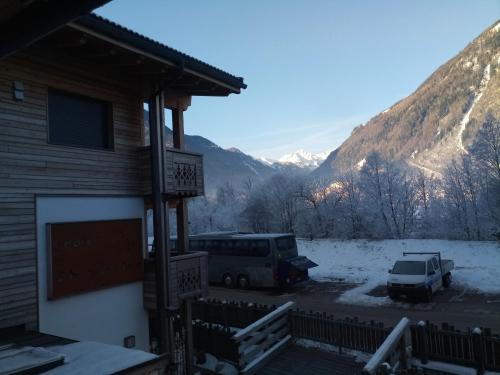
(477, 264)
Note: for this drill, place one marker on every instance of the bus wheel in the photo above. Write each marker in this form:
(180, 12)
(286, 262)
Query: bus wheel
(243, 282)
(227, 280)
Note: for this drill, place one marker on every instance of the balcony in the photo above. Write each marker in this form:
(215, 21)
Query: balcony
(188, 279)
(184, 172)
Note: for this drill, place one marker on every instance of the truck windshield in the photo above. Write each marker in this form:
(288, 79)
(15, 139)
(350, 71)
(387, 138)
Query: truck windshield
(409, 267)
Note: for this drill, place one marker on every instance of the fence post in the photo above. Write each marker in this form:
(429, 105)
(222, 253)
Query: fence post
(423, 339)
(477, 342)
(402, 353)
(385, 368)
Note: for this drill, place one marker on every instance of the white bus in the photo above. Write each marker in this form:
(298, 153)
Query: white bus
(246, 260)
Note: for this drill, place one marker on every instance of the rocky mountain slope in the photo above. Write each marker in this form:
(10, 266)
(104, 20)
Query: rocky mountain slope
(436, 123)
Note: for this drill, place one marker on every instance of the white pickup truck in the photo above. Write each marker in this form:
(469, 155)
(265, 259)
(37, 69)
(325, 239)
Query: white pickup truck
(419, 275)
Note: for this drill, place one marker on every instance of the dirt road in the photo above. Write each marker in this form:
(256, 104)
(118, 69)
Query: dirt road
(456, 306)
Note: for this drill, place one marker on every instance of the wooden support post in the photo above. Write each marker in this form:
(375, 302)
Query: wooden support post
(403, 363)
(423, 338)
(178, 127)
(182, 225)
(183, 237)
(160, 217)
(478, 345)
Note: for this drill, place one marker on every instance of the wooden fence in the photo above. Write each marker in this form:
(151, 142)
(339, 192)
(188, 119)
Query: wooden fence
(430, 342)
(247, 348)
(343, 333)
(392, 353)
(263, 339)
(475, 348)
(229, 314)
(216, 340)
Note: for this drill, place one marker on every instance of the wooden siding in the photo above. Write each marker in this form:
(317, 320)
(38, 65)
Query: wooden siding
(30, 166)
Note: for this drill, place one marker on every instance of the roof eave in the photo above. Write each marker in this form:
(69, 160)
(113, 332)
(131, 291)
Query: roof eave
(100, 28)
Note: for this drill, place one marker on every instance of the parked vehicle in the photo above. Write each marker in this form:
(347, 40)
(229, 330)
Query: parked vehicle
(419, 275)
(246, 260)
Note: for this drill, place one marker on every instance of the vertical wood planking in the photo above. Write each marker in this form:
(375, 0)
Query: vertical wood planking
(29, 165)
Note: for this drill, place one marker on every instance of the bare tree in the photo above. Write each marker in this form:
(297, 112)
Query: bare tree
(487, 148)
(372, 185)
(350, 190)
(456, 198)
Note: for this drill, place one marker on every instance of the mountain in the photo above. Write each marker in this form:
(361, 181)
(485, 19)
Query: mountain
(299, 161)
(226, 165)
(304, 159)
(234, 166)
(436, 123)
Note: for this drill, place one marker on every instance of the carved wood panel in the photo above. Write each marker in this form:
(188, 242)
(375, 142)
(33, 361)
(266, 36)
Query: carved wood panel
(86, 256)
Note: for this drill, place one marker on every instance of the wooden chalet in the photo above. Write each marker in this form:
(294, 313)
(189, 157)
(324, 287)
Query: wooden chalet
(79, 170)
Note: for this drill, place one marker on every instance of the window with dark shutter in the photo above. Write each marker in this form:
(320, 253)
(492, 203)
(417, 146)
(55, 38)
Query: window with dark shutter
(80, 121)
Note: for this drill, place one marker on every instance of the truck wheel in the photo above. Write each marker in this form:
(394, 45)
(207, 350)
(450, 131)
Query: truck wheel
(428, 295)
(243, 282)
(227, 280)
(447, 280)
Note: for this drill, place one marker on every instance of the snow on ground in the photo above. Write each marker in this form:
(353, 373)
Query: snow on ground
(477, 264)
(358, 355)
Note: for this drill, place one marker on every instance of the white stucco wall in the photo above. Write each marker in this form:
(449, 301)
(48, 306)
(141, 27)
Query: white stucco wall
(106, 315)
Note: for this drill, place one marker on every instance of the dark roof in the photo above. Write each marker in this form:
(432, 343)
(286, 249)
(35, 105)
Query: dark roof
(24, 22)
(122, 34)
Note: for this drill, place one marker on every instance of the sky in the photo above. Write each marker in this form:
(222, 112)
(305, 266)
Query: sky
(315, 69)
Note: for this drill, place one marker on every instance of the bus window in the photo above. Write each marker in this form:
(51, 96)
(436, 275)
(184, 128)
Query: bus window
(286, 246)
(250, 248)
(195, 245)
(212, 247)
(261, 248)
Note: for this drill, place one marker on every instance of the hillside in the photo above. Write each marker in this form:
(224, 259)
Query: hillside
(436, 123)
(222, 165)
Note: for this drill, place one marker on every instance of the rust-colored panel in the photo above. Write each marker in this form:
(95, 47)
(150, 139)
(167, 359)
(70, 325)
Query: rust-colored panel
(91, 255)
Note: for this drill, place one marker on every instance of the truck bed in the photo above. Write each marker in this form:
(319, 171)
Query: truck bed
(446, 265)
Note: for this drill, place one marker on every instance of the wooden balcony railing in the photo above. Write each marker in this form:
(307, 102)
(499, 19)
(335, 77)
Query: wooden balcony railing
(184, 172)
(188, 279)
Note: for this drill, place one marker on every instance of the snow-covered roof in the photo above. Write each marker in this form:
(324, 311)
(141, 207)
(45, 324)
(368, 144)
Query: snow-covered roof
(89, 357)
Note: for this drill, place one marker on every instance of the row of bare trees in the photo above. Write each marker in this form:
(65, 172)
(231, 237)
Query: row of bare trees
(382, 199)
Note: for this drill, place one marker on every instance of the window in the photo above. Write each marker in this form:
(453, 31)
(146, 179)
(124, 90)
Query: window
(76, 120)
(430, 268)
(197, 245)
(409, 267)
(285, 243)
(251, 248)
(435, 263)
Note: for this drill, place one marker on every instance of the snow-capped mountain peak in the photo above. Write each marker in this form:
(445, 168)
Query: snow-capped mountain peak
(267, 161)
(303, 159)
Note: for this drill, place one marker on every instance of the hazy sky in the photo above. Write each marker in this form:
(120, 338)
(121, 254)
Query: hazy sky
(314, 69)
